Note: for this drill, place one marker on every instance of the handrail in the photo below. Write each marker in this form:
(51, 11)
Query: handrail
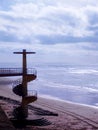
(32, 93)
(31, 71)
(17, 71)
(16, 82)
(10, 70)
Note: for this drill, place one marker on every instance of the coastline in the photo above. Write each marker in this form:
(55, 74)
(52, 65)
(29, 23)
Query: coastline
(87, 111)
(71, 116)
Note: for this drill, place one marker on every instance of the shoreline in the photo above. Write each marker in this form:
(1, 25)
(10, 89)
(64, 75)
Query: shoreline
(5, 90)
(79, 109)
(66, 101)
(7, 82)
(71, 116)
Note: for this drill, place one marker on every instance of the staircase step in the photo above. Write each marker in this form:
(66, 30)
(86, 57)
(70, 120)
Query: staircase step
(18, 90)
(19, 113)
(31, 77)
(28, 99)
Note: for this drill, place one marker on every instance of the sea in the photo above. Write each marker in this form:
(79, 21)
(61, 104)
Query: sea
(60, 81)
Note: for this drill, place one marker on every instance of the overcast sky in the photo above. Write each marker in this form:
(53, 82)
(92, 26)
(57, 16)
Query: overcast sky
(58, 30)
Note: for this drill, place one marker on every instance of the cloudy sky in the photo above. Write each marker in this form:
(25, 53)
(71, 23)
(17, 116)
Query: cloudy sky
(64, 31)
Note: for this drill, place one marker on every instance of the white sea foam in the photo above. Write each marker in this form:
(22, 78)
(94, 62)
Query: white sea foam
(47, 84)
(76, 84)
(83, 71)
(50, 97)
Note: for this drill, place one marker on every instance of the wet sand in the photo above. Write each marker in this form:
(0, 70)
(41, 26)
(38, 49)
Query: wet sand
(49, 114)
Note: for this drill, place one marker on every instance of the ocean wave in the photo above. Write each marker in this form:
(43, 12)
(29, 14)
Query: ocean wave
(47, 84)
(83, 71)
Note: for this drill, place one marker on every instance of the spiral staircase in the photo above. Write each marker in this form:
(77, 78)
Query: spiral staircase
(20, 86)
(19, 112)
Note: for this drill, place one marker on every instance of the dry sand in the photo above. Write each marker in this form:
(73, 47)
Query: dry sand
(51, 114)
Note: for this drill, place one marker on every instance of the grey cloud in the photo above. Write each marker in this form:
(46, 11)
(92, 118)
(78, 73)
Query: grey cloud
(7, 37)
(65, 39)
(94, 28)
(91, 47)
(93, 18)
(54, 22)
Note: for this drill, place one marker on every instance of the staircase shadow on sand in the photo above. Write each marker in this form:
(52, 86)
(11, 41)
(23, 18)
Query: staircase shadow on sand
(37, 111)
(42, 112)
(23, 123)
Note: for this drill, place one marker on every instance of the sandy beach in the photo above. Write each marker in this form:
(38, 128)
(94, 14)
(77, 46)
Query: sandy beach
(48, 114)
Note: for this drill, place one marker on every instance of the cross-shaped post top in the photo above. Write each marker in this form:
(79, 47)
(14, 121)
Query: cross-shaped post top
(24, 52)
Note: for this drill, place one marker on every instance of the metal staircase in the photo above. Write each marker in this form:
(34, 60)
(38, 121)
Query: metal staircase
(17, 87)
(20, 85)
(31, 95)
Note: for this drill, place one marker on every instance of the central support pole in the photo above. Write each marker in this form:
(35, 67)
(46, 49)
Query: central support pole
(24, 79)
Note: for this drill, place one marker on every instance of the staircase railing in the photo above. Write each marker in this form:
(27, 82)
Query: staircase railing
(32, 93)
(32, 71)
(10, 70)
(16, 82)
(17, 71)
